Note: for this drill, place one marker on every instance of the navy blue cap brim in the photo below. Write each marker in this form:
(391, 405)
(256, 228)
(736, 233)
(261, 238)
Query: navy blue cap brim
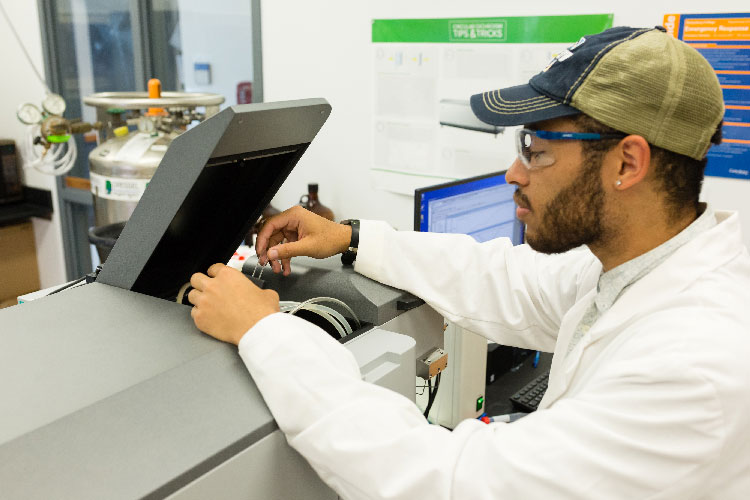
(517, 106)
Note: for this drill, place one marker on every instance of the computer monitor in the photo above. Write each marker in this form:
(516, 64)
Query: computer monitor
(481, 207)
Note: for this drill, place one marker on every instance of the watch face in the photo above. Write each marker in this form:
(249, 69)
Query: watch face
(29, 114)
(54, 104)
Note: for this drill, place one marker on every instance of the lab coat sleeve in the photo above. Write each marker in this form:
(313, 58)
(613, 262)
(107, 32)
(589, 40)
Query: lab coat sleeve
(512, 295)
(647, 432)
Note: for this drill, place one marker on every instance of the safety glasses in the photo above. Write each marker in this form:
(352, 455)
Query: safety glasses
(534, 150)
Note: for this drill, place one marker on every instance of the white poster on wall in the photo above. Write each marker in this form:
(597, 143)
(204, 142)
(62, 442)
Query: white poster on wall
(420, 62)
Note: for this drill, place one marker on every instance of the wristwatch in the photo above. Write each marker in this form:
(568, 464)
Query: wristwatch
(348, 257)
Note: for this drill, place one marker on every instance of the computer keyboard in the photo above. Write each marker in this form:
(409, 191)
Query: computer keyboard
(528, 398)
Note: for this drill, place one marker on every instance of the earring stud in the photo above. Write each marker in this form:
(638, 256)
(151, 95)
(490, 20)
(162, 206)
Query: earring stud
(618, 183)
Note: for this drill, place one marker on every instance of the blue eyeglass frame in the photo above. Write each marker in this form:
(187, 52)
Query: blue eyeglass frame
(572, 136)
(560, 136)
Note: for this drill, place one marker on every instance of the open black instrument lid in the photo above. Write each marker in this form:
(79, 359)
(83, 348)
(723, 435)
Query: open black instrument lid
(211, 186)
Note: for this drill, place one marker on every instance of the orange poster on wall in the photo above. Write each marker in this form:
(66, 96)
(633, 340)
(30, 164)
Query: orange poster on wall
(724, 40)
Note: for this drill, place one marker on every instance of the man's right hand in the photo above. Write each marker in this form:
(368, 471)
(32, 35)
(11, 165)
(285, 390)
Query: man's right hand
(299, 232)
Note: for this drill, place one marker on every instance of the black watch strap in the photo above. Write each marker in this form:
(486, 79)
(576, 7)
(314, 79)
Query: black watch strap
(348, 257)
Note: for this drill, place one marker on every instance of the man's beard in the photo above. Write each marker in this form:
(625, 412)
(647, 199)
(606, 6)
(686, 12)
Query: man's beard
(573, 217)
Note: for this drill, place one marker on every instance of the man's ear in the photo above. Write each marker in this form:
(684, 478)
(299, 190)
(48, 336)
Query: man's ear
(635, 161)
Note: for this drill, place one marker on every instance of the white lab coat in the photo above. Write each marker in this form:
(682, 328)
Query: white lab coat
(653, 402)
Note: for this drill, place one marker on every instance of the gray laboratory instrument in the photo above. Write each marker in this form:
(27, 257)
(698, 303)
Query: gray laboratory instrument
(108, 389)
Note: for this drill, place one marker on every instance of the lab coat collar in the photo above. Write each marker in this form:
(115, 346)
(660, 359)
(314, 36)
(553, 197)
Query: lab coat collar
(707, 251)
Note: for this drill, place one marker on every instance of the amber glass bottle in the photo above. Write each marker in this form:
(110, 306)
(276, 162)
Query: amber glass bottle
(311, 202)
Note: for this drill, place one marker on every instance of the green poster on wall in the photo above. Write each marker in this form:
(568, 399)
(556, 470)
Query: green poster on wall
(529, 29)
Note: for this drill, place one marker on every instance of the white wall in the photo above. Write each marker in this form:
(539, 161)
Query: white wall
(323, 49)
(18, 85)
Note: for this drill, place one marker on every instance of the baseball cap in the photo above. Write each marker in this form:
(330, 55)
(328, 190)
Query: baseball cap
(638, 81)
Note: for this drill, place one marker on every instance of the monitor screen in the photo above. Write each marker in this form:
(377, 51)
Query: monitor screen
(481, 207)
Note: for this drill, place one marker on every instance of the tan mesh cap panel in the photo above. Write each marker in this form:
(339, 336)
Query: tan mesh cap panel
(658, 87)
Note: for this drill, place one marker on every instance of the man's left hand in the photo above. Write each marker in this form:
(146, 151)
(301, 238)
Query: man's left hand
(227, 304)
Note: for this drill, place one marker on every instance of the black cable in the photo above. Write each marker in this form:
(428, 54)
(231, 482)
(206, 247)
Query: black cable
(65, 287)
(433, 393)
(437, 385)
(429, 397)
(88, 277)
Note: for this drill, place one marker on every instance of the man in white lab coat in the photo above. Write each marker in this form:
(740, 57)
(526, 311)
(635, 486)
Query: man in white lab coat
(642, 293)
